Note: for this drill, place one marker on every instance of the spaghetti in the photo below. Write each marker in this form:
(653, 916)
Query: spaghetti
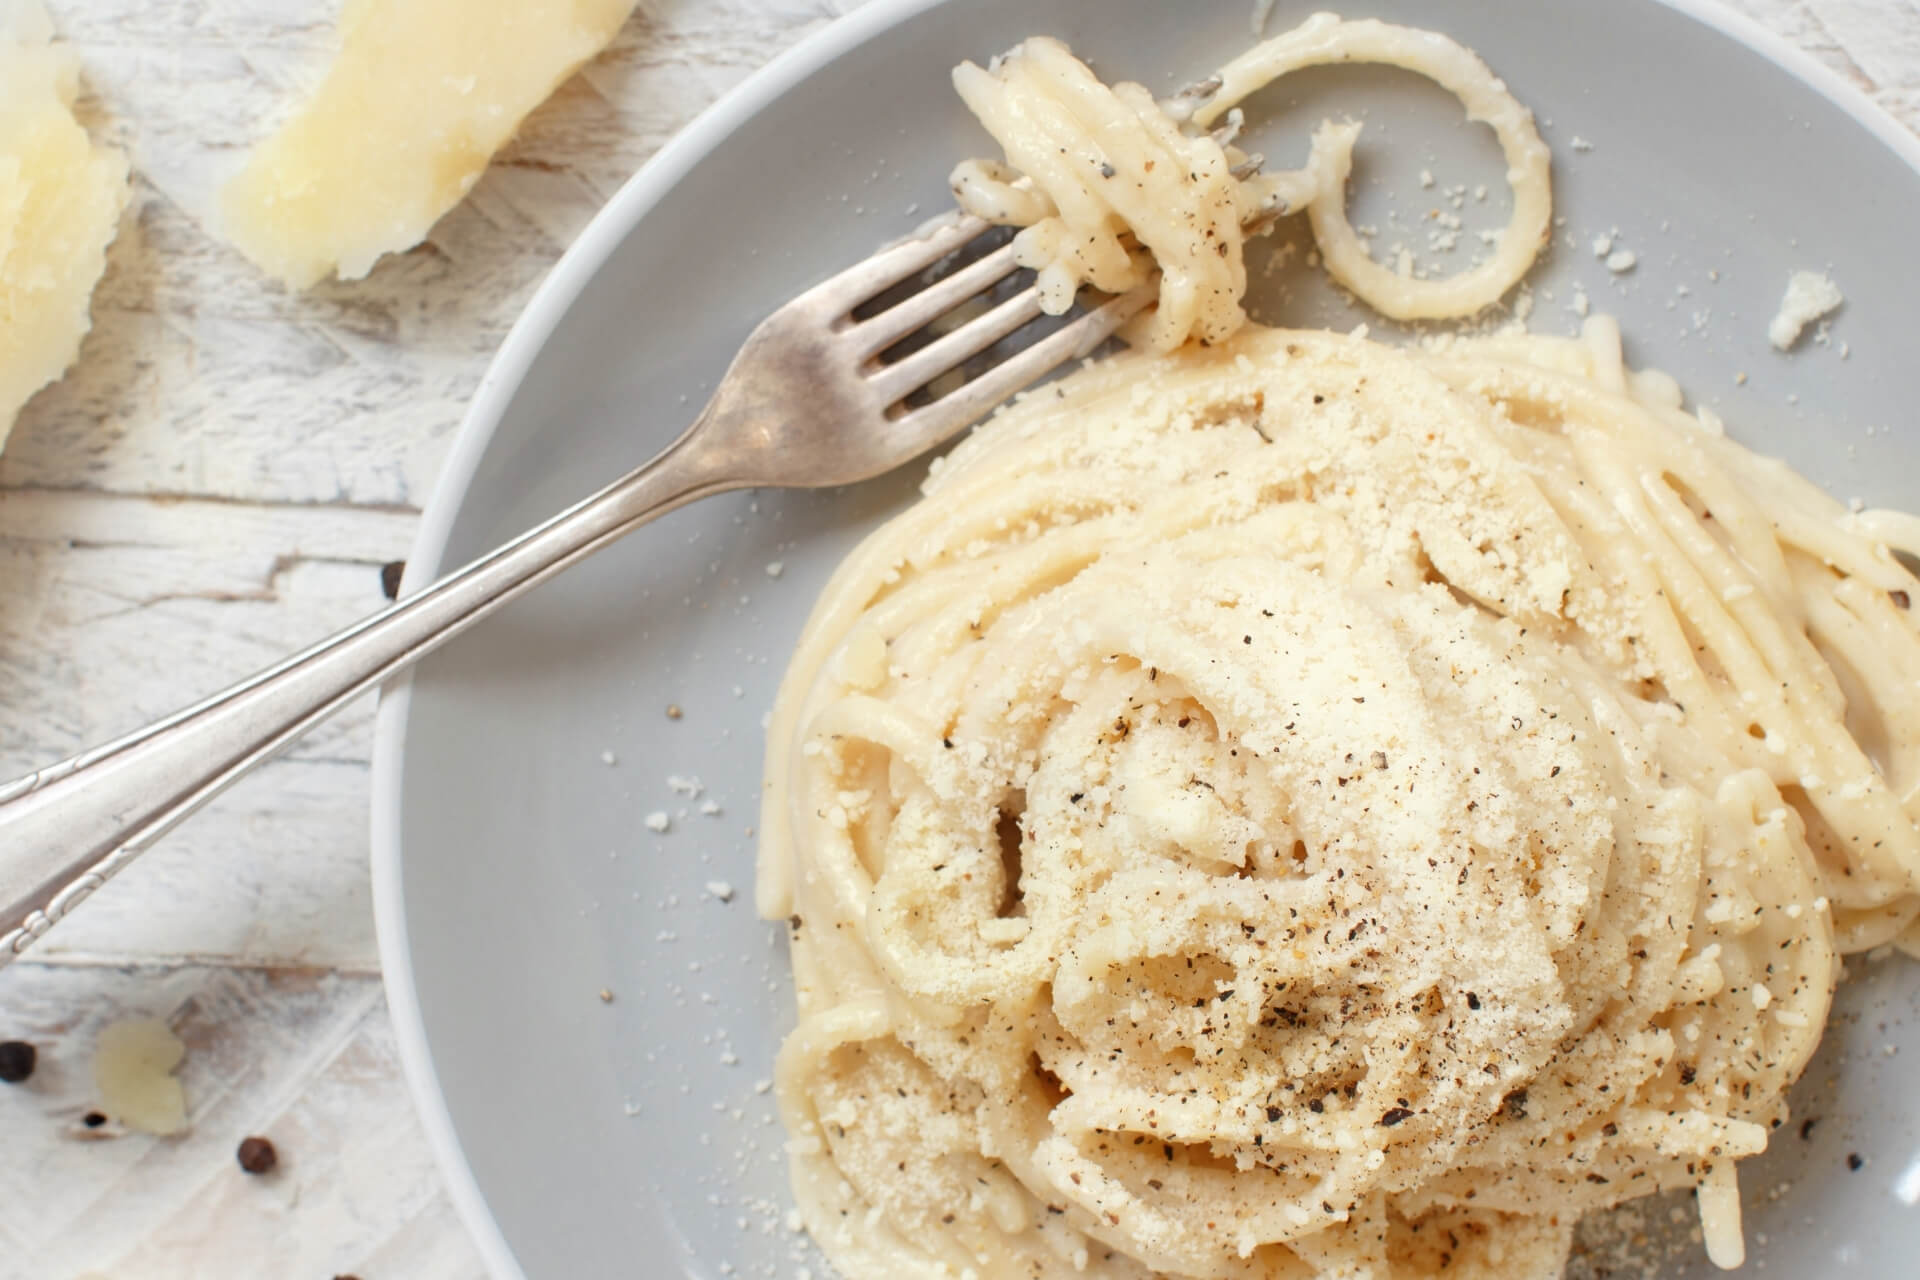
(1107, 187)
(1299, 807)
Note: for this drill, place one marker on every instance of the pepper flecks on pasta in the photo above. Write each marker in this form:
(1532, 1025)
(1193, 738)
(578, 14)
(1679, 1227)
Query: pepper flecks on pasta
(1272, 805)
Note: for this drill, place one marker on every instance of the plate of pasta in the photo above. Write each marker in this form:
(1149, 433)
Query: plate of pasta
(1406, 767)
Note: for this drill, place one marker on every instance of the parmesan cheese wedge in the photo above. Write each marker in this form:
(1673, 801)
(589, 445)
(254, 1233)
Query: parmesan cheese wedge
(420, 96)
(60, 204)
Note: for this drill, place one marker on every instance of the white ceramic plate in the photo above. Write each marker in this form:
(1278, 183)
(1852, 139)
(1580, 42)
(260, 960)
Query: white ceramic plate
(513, 874)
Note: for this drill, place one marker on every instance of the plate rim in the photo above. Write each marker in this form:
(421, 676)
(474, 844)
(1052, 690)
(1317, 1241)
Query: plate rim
(527, 338)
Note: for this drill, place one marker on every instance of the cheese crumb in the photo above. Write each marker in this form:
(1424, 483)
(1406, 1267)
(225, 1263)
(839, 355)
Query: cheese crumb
(1810, 295)
(1621, 260)
(658, 820)
(60, 204)
(721, 890)
(133, 1068)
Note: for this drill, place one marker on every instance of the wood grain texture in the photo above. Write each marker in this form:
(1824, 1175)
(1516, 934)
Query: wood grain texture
(219, 482)
(303, 1058)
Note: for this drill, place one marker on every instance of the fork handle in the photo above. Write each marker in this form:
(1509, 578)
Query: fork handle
(69, 828)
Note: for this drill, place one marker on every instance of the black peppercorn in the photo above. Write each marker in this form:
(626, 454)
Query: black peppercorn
(256, 1155)
(93, 1119)
(17, 1059)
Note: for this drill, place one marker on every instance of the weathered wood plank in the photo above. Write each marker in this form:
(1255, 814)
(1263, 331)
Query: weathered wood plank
(305, 1059)
(274, 872)
(118, 610)
(135, 607)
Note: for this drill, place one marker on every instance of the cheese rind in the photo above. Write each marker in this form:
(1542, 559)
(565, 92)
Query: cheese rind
(60, 203)
(420, 96)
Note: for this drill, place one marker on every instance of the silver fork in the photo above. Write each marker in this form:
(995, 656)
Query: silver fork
(807, 403)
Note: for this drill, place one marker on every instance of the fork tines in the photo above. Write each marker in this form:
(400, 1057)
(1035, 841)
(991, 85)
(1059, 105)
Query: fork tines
(902, 372)
(895, 333)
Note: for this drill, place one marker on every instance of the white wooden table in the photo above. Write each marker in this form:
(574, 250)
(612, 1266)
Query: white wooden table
(219, 482)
